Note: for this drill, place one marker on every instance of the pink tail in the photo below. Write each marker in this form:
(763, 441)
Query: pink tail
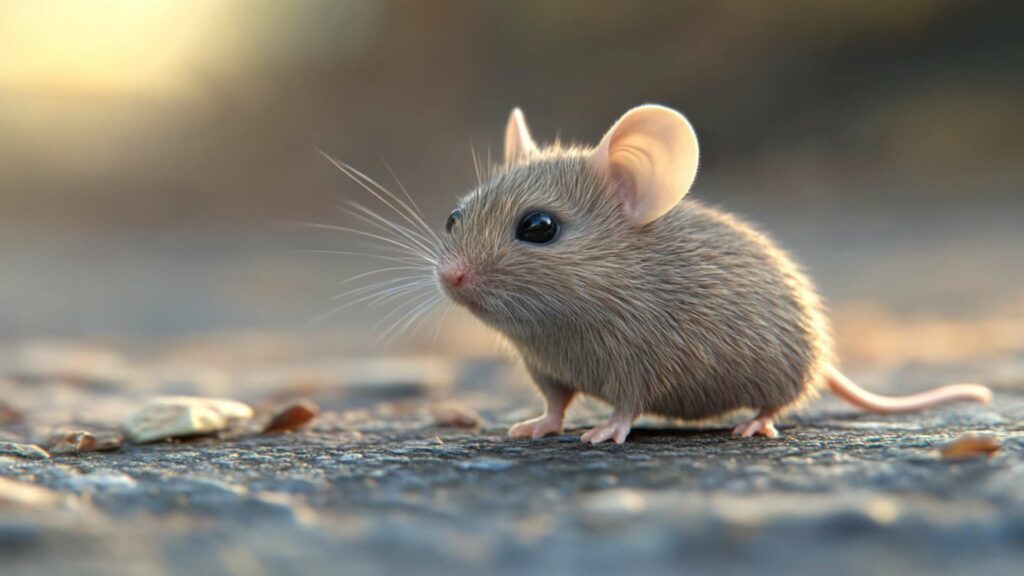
(844, 388)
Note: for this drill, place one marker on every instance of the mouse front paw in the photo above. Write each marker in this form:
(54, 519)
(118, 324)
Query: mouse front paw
(536, 428)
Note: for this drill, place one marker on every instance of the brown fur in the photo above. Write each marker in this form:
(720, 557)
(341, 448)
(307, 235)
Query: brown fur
(694, 315)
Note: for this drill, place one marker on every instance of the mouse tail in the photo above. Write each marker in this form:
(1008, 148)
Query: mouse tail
(844, 388)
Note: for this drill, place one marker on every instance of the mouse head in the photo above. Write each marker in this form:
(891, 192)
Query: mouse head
(551, 235)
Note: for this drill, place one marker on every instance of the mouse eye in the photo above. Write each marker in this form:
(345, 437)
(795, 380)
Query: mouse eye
(454, 217)
(537, 228)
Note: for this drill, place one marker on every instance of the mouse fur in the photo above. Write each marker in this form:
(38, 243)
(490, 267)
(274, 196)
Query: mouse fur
(647, 298)
(694, 315)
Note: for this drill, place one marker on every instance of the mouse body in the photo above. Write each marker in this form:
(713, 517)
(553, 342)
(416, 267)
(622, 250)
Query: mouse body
(610, 281)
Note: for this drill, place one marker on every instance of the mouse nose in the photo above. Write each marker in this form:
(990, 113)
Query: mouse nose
(452, 274)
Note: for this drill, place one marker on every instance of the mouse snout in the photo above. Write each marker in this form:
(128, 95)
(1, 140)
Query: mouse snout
(453, 273)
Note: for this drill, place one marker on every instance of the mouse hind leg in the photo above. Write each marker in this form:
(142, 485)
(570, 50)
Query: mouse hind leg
(616, 428)
(761, 425)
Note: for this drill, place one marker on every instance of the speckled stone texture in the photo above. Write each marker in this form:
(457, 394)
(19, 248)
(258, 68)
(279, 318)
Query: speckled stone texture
(372, 486)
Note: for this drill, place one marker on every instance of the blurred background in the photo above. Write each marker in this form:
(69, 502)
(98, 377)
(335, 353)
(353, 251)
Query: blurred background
(151, 152)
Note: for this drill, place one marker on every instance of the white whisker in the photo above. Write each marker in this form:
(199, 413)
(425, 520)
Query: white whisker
(335, 310)
(447, 310)
(382, 223)
(352, 172)
(411, 315)
(392, 241)
(394, 311)
(476, 164)
(383, 298)
(381, 271)
(423, 317)
(403, 260)
(402, 187)
(384, 285)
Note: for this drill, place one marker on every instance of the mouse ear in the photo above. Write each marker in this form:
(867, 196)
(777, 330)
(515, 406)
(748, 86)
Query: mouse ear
(519, 144)
(651, 153)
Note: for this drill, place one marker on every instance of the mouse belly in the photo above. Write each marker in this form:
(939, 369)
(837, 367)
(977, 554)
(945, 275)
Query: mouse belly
(684, 382)
(691, 397)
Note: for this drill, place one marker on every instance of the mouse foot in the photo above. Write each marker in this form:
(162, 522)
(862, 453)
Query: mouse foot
(760, 426)
(536, 428)
(616, 428)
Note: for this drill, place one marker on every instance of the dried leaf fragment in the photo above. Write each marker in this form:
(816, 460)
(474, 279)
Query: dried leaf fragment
(292, 416)
(971, 447)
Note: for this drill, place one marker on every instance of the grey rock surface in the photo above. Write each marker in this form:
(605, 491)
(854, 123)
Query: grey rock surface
(379, 488)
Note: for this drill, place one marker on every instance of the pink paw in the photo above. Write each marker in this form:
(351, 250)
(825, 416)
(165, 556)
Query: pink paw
(536, 428)
(616, 430)
(756, 427)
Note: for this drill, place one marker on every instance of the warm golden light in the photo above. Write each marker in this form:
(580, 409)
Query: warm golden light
(102, 45)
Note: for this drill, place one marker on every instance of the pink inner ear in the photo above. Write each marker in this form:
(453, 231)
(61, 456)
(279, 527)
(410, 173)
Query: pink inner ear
(652, 153)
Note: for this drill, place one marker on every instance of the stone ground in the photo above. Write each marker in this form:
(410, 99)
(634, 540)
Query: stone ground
(373, 486)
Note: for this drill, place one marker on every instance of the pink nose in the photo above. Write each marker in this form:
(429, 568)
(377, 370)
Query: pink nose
(452, 275)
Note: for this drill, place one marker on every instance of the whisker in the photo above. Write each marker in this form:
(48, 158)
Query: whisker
(414, 213)
(381, 285)
(352, 172)
(416, 322)
(383, 298)
(423, 318)
(337, 309)
(447, 310)
(384, 224)
(403, 260)
(413, 245)
(476, 164)
(401, 186)
(411, 315)
(381, 271)
(390, 314)
(418, 246)
(402, 245)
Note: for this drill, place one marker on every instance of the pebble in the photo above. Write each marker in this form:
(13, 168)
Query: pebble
(180, 416)
(292, 417)
(71, 442)
(970, 447)
(30, 451)
(108, 442)
(453, 414)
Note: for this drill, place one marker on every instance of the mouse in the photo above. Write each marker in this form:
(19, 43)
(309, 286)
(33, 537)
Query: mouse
(611, 281)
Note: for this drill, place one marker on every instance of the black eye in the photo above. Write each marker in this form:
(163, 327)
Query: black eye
(537, 228)
(454, 217)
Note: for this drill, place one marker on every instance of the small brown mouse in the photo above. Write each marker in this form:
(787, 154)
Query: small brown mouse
(612, 282)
